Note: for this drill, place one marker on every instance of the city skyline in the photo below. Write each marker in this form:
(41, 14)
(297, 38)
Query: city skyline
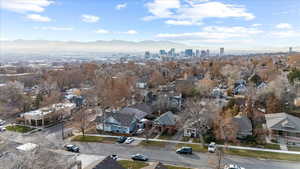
(209, 23)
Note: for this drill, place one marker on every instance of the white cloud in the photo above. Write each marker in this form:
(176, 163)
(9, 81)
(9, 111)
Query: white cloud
(183, 22)
(256, 25)
(89, 18)
(284, 26)
(161, 8)
(25, 5)
(120, 6)
(214, 33)
(54, 28)
(195, 11)
(285, 34)
(38, 18)
(102, 31)
(130, 32)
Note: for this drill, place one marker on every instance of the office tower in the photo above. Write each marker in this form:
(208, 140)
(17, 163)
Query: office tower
(162, 52)
(203, 53)
(197, 53)
(188, 52)
(171, 52)
(222, 50)
(147, 54)
(207, 52)
(290, 50)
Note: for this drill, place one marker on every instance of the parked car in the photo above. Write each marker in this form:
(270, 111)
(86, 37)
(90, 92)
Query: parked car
(72, 148)
(212, 147)
(185, 150)
(140, 131)
(114, 156)
(139, 157)
(129, 140)
(122, 139)
(2, 128)
(2, 122)
(233, 166)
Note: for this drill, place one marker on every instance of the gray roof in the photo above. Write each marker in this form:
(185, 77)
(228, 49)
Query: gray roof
(243, 123)
(283, 122)
(167, 119)
(123, 119)
(108, 163)
(143, 107)
(136, 112)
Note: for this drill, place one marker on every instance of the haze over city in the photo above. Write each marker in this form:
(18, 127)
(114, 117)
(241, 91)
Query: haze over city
(149, 84)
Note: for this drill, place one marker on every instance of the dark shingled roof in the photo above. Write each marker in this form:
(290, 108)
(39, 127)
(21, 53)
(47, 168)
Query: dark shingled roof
(167, 119)
(124, 119)
(143, 107)
(108, 163)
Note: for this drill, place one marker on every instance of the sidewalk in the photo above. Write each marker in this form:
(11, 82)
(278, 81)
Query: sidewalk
(227, 146)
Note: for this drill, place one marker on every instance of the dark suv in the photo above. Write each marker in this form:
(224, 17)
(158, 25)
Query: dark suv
(185, 150)
(122, 139)
(72, 148)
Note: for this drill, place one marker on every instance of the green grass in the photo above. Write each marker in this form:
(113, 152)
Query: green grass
(165, 137)
(94, 139)
(262, 154)
(195, 147)
(272, 146)
(185, 139)
(132, 164)
(293, 148)
(174, 167)
(140, 164)
(20, 129)
(148, 143)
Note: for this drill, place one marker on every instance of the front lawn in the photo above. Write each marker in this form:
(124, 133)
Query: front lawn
(195, 147)
(140, 164)
(148, 143)
(18, 128)
(293, 148)
(132, 164)
(262, 154)
(165, 137)
(98, 139)
(174, 167)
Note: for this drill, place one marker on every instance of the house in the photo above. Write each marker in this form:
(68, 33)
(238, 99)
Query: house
(43, 115)
(142, 83)
(116, 122)
(139, 114)
(157, 165)
(108, 163)
(243, 125)
(194, 129)
(217, 93)
(166, 122)
(283, 126)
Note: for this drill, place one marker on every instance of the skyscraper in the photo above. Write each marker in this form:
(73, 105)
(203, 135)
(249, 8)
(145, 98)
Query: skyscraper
(197, 53)
(162, 52)
(188, 52)
(207, 52)
(171, 52)
(222, 50)
(147, 54)
(290, 50)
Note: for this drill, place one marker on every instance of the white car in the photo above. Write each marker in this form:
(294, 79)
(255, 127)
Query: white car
(2, 128)
(212, 147)
(233, 166)
(140, 131)
(129, 140)
(2, 122)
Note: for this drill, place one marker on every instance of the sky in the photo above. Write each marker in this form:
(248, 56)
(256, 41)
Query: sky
(240, 23)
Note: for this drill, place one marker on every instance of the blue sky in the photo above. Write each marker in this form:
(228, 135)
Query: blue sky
(247, 23)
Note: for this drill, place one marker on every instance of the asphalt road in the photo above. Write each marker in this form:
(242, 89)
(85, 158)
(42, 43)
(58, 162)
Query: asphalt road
(197, 160)
(52, 138)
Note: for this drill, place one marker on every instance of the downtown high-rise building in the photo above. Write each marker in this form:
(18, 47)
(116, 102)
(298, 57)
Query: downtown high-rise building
(222, 51)
(197, 53)
(188, 53)
(290, 50)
